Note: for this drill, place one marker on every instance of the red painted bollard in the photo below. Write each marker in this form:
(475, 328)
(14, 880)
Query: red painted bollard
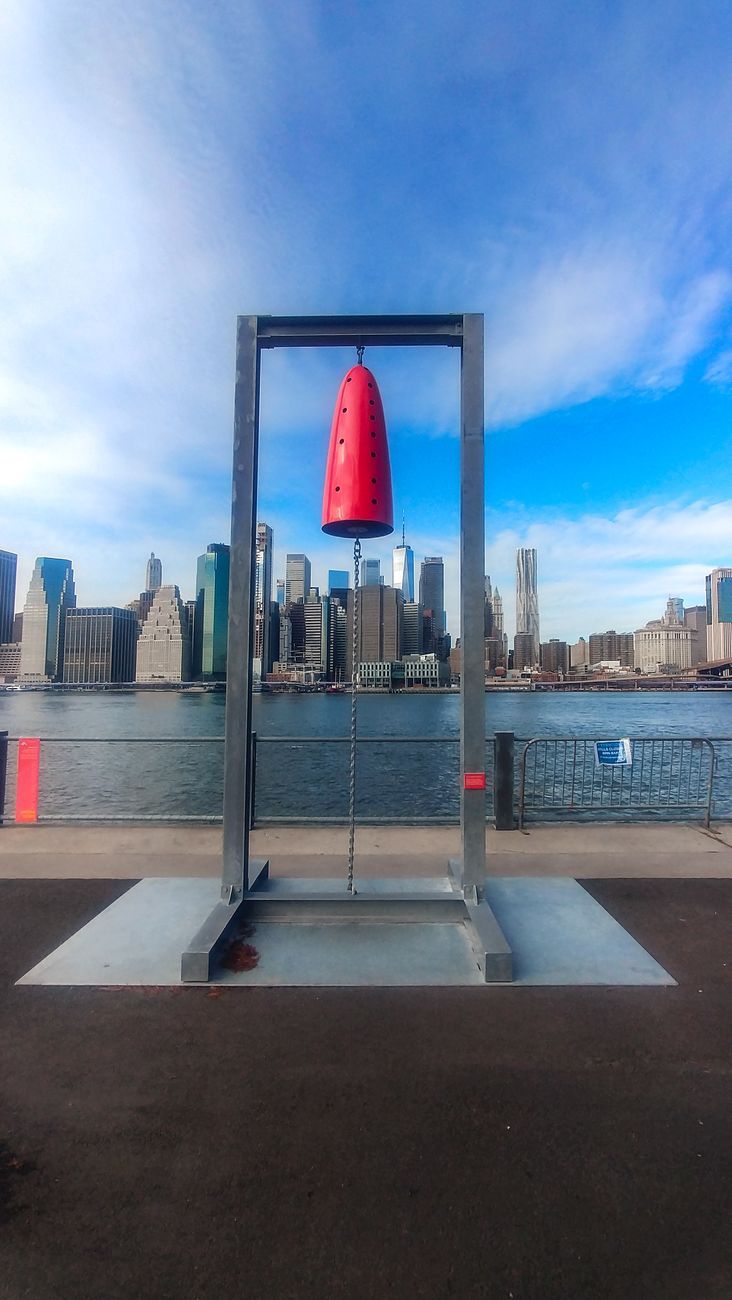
(26, 789)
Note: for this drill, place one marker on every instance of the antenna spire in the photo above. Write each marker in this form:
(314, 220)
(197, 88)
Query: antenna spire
(402, 528)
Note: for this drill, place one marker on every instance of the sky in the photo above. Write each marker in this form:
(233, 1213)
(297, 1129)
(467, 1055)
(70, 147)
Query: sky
(562, 168)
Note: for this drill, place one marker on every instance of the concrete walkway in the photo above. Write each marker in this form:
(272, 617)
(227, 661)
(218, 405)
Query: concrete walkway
(584, 851)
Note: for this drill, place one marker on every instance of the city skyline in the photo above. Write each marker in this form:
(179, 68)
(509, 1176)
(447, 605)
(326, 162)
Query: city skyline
(302, 570)
(598, 251)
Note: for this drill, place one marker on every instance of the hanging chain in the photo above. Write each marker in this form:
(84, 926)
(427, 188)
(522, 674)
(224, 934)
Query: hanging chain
(359, 353)
(354, 696)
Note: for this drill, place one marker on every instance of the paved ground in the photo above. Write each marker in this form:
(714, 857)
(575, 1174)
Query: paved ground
(527, 1143)
(129, 852)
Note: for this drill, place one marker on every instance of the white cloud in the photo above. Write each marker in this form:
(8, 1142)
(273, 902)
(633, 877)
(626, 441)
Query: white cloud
(594, 322)
(719, 370)
(599, 572)
(164, 167)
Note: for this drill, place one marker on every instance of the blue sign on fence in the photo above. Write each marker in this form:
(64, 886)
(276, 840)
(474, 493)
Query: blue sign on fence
(613, 753)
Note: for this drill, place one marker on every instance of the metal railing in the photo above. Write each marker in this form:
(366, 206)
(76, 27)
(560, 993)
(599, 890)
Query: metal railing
(667, 773)
(83, 784)
(303, 779)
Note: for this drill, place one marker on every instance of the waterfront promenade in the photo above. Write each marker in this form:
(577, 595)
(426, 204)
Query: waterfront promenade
(545, 1143)
(640, 850)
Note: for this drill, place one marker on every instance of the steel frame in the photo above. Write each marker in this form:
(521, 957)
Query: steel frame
(243, 879)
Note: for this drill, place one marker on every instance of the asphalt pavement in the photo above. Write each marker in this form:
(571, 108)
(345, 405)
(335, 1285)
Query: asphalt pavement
(529, 1142)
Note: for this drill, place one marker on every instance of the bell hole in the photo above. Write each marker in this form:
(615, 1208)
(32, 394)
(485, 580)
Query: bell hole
(348, 380)
(372, 417)
(345, 408)
(370, 384)
(371, 401)
(341, 441)
(338, 489)
(373, 455)
(373, 480)
(373, 501)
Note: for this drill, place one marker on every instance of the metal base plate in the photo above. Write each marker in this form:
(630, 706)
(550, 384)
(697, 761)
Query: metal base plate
(556, 930)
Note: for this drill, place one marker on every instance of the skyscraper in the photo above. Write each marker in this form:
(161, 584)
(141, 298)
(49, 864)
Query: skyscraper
(432, 593)
(674, 610)
(402, 569)
(719, 614)
(154, 574)
(99, 645)
(141, 606)
(695, 617)
(50, 594)
(315, 627)
(295, 613)
(338, 583)
(164, 647)
(8, 568)
(379, 625)
(211, 624)
(280, 591)
(499, 632)
(527, 599)
(297, 578)
(497, 610)
(412, 636)
(335, 660)
(488, 608)
(262, 601)
(371, 573)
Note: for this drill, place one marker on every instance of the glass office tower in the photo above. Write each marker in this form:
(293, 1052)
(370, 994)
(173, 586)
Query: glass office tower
(50, 594)
(719, 614)
(8, 568)
(211, 623)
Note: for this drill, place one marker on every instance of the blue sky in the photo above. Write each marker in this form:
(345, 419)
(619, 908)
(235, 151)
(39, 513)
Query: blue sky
(563, 168)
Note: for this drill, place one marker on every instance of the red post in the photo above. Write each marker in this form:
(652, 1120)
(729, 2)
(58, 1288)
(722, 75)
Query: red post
(26, 790)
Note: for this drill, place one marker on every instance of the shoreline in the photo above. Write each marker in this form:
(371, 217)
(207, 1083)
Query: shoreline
(597, 685)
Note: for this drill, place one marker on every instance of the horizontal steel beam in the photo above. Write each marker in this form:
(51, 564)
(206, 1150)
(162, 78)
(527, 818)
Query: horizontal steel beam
(327, 906)
(371, 331)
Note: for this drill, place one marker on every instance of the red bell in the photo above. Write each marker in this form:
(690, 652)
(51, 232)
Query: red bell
(357, 496)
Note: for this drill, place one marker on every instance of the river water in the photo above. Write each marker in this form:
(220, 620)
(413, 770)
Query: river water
(400, 780)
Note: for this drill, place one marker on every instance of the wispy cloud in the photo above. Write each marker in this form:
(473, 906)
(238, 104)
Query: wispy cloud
(165, 167)
(599, 572)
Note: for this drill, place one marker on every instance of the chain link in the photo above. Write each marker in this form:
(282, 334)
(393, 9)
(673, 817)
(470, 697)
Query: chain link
(354, 697)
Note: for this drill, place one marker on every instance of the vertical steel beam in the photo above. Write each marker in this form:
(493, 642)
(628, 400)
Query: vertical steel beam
(472, 594)
(237, 749)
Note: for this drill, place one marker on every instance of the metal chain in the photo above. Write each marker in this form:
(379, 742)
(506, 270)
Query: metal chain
(354, 696)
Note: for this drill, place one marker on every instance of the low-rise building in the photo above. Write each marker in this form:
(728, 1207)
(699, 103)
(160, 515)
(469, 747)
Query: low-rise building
(425, 670)
(9, 662)
(379, 674)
